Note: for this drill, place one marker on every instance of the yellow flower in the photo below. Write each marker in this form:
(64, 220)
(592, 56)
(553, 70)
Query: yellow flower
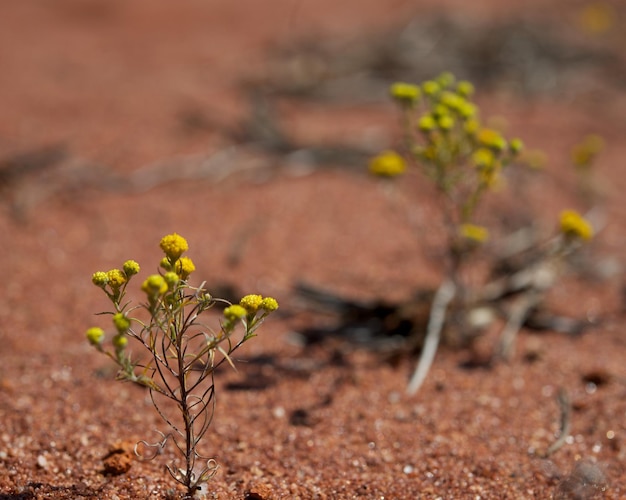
(516, 146)
(427, 123)
(100, 278)
(465, 88)
(154, 285)
(483, 158)
(575, 225)
(446, 79)
(405, 93)
(235, 312)
(130, 268)
(269, 304)
(184, 267)
(165, 264)
(478, 234)
(467, 110)
(121, 322)
(452, 100)
(471, 126)
(119, 341)
(387, 164)
(95, 335)
(446, 123)
(431, 88)
(171, 279)
(251, 303)
(174, 246)
(492, 139)
(116, 278)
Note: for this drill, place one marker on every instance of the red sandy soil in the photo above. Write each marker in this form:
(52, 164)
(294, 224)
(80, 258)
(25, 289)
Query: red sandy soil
(110, 80)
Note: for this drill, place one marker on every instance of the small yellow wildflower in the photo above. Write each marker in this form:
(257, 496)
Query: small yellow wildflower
(492, 139)
(154, 285)
(467, 110)
(465, 88)
(427, 123)
(235, 312)
(473, 232)
(165, 264)
(174, 246)
(471, 126)
(446, 79)
(574, 225)
(270, 304)
(171, 279)
(100, 278)
(431, 88)
(446, 123)
(405, 93)
(440, 110)
(130, 268)
(116, 278)
(184, 267)
(452, 100)
(251, 303)
(483, 158)
(95, 335)
(121, 322)
(120, 341)
(387, 164)
(516, 146)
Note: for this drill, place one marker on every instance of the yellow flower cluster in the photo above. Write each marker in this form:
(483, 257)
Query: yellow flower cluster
(115, 278)
(174, 246)
(249, 306)
(575, 225)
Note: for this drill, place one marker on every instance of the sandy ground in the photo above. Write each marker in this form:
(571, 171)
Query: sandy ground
(122, 122)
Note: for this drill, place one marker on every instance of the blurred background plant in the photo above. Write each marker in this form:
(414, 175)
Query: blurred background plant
(445, 141)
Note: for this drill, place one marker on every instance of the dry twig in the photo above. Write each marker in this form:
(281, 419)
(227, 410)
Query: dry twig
(443, 297)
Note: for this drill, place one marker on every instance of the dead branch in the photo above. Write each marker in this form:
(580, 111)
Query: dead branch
(443, 297)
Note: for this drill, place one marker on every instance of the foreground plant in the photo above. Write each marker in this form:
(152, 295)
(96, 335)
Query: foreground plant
(446, 141)
(183, 352)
